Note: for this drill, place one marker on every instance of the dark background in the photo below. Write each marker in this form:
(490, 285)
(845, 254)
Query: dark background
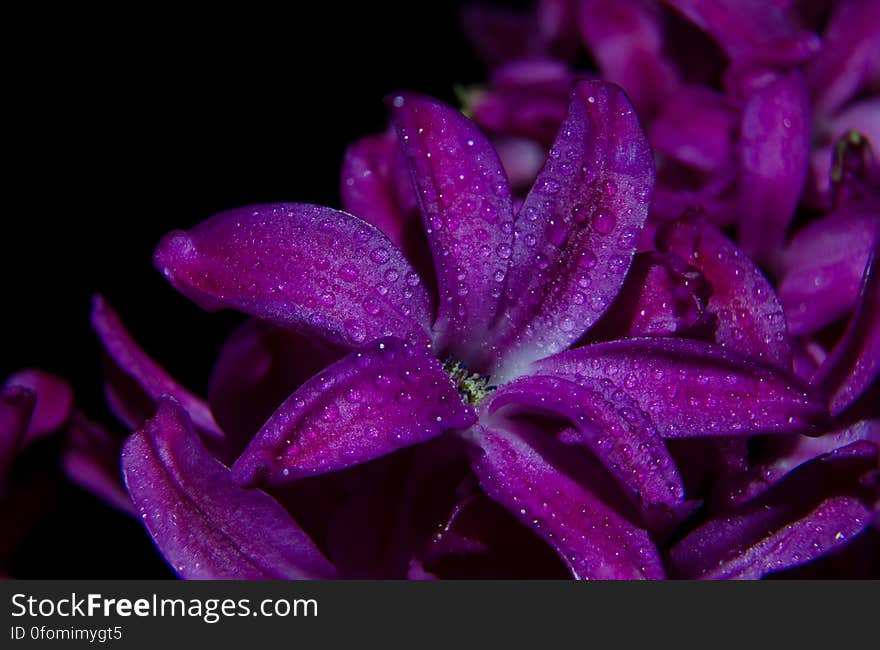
(123, 132)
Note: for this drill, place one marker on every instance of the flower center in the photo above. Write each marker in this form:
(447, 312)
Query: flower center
(472, 386)
(850, 152)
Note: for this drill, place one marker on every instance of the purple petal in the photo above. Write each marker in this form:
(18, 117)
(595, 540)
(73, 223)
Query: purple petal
(823, 266)
(837, 519)
(369, 188)
(468, 215)
(696, 128)
(626, 38)
(304, 267)
(16, 406)
(816, 509)
(662, 296)
(807, 356)
(591, 537)
(204, 525)
(678, 192)
(526, 98)
(774, 154)
(611, 424)
(135, 381)
(796, 451)
(258, 367)
(749, 316)
(751, 32)
(579, 227)
(855, 362)
(849, 54)
(693, 389)
(54, 401)
(92, 460)
(387, 396)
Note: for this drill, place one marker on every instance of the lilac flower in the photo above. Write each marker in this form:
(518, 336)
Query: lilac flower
(571, 440)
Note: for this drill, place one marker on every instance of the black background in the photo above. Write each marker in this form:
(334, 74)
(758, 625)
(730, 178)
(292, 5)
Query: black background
(127, 126)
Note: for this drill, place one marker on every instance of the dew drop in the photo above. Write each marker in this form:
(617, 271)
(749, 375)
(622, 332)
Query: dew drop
(348, 273)
(586, 259)
(370, 306)
(503, 251)
(603, 223)
(356, 331)
(550, 186)
(380, 256)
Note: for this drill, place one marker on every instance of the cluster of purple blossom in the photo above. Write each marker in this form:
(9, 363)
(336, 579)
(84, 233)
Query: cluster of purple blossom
(618, 323)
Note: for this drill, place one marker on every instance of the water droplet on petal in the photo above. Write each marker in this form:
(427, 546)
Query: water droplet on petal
(380, 256)
(348, 273)
(603, 223)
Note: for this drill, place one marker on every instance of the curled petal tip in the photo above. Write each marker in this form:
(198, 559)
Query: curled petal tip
(172, 247)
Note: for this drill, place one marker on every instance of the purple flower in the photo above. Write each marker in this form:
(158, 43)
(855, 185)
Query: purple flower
(34, 405)
(750, 113)
(577, 442)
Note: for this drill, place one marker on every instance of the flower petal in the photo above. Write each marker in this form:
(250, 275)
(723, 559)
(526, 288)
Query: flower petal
(91, 460)
(526, 98)
(372, 189)
(468, 214)
(751, 32)
(135, 381)
(258, 367)
(204, 525)
(774, 156)
(696, 128)
(611, 424)
(304, 267)
(823, 266)
(816, 509)
(749, 316)
(575, 517)
(578, 228)
(855, 362)
(386, 396)
(16, 406)
(794, 451)
(626, 38)
(691, 388)
(54, 401)
(662, 296)
(849, 44)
